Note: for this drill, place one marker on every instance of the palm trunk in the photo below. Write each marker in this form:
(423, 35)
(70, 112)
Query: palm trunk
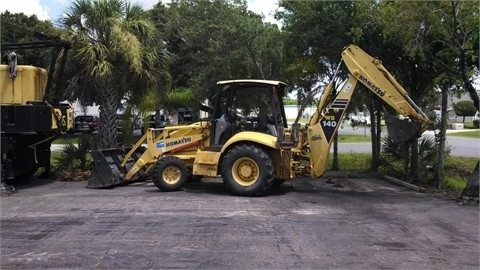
(109, 100)
(414, 162)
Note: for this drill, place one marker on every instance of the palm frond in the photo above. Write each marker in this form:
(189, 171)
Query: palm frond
(115, 48)
(128, 47)
(180, 97)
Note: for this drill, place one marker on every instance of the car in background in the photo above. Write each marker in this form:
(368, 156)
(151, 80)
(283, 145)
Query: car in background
(154, 123)
(185, 116)
(86, 124)
(121, 120)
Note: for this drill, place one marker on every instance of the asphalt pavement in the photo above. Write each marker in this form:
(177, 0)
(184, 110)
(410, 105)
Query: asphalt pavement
(324, 223)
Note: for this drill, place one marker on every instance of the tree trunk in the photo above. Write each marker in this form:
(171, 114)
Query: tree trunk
(459, 42)
(414, 173)
(470, 192)
(375, 153)
(414, 161)
(109, 100)
(439, 175)
(378, 143)
(335, 165)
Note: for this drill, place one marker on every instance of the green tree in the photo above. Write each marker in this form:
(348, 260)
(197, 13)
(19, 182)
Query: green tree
(366, 32)
(315, 34)
(114, 57)
(18, 28)
(456, 44)
(402, 29)
(444, 85)
(217, 40)
(465, 108)
(443, 37)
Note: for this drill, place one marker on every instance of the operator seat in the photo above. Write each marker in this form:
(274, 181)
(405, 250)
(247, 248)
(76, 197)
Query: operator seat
(223, 130)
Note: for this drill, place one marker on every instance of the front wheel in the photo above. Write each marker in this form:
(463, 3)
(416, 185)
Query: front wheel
(169, 173)
(248, 170)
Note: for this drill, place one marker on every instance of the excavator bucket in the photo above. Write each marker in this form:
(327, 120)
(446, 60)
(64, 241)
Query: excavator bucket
(401, 130)
(107, 170)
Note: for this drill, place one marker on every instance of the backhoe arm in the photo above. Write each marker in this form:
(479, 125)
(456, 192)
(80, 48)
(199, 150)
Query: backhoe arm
(330, 111)
(374, 76)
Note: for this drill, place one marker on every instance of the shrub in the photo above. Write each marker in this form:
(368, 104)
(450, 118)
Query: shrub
(395, 157)
(476, 123)
(465, 108)
(75, 161)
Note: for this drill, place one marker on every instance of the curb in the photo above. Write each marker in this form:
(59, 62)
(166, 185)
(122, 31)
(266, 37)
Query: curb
(404, 184)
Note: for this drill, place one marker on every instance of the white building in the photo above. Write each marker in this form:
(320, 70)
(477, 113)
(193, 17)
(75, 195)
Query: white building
(78, 109)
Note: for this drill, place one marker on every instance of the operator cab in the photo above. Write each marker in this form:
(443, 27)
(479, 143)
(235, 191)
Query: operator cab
(247, 105)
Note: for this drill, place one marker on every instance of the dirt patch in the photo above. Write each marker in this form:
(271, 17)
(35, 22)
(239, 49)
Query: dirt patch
(348, 185)
(74, 176)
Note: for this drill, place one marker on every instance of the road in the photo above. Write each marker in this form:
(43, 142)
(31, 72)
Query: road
(304, 224)
(460, 146)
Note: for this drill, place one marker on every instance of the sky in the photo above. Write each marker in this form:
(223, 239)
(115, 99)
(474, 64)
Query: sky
(53, 9)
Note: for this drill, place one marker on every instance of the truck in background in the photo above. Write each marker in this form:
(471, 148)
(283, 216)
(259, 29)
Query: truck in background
(31, 118)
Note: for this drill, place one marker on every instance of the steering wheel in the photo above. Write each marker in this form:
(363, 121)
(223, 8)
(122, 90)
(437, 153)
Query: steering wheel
(279, 119)
(231, 115)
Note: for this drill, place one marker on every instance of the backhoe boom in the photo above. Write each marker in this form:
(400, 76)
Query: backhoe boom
(369, 71)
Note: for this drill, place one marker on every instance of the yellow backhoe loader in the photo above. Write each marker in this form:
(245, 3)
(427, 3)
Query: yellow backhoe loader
(247, 140)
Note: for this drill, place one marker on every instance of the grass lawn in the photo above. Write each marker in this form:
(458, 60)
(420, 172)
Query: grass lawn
(351, 138)
(466, 134)
(457, 170)
(64, 139)
(54, 159)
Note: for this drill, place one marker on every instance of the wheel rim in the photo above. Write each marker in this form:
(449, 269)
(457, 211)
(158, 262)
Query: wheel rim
(245, 171)
(171, 174)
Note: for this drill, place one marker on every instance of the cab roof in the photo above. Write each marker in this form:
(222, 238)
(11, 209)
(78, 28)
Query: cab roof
(252, 81)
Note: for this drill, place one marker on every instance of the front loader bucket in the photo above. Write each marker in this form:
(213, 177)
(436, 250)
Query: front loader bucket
(107, 170)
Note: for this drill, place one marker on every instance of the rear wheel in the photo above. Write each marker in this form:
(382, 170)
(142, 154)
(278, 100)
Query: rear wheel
(247, 170)
(169, 173)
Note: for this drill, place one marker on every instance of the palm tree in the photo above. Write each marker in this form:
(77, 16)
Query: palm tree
(116, 54)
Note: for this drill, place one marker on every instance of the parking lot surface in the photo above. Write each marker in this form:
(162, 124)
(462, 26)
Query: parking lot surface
(303, 224)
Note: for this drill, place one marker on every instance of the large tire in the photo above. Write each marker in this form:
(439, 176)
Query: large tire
(169, 173)
(247, 170)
